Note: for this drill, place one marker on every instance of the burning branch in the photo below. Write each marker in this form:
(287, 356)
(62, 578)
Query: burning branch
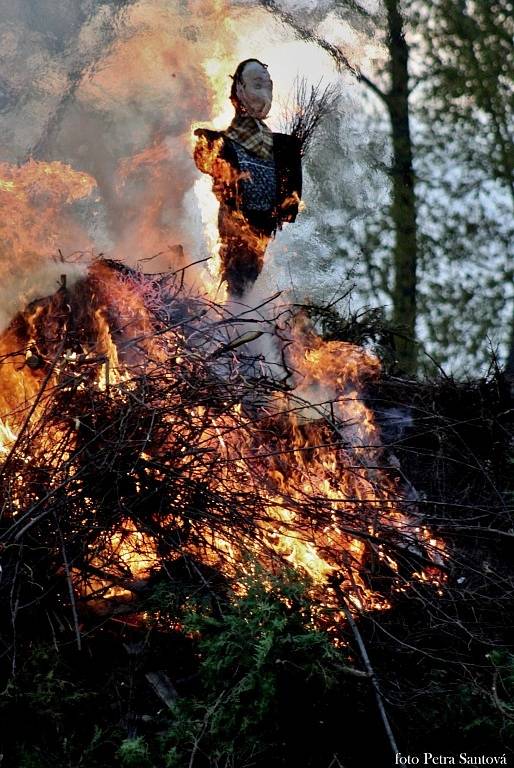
(162, 444)
(152, 446)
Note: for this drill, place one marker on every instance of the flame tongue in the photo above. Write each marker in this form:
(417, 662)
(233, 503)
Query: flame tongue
(36, 194)
(130, 403)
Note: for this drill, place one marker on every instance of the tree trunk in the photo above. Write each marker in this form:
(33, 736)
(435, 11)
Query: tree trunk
(403, 204)
(509, 365)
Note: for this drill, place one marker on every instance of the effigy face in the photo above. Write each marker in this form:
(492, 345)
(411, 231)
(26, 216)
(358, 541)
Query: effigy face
(255, 91)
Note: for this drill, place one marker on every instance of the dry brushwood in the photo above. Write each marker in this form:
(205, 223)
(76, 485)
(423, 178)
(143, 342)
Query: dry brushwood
(308, 108)
(153, 442)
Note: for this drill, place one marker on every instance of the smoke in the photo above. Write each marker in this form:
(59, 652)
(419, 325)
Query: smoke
(113, 90)
(31, 196)
(28, 285)
(394, 422)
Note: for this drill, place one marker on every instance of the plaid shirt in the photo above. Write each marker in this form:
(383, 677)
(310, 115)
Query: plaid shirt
(252, 134)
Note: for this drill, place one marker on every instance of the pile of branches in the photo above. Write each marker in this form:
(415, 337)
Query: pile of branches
(182, 450)
(99, 455)
(145, 458)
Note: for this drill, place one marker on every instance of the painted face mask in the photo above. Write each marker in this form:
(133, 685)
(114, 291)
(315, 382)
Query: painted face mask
(255, 90)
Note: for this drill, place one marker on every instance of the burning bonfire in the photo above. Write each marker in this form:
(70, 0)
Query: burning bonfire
(141, 429)
(181, 474)
(154, 441)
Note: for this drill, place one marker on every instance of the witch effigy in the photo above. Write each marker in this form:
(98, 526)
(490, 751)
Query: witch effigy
(257, 177)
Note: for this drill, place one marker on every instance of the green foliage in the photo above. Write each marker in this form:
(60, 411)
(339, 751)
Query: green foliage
(503, 686)
(264, 688)
(133, 753)
(465, 114)
(263, 670)
(461, 57)
(480, 708)
(67, 754)
(469, 51)
(259, 673)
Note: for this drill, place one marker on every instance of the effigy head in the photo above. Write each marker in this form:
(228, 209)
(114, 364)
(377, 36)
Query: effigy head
(252, 89)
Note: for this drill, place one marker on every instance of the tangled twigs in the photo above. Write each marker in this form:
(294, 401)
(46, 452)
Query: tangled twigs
(156, 439)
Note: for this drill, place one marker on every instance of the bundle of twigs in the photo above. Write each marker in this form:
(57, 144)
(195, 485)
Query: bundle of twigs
(307, 108)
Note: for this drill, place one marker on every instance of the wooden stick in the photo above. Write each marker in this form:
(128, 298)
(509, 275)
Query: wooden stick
(371, 672)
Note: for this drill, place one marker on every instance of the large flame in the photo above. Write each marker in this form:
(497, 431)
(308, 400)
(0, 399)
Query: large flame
(318, 441)
(301, 452)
